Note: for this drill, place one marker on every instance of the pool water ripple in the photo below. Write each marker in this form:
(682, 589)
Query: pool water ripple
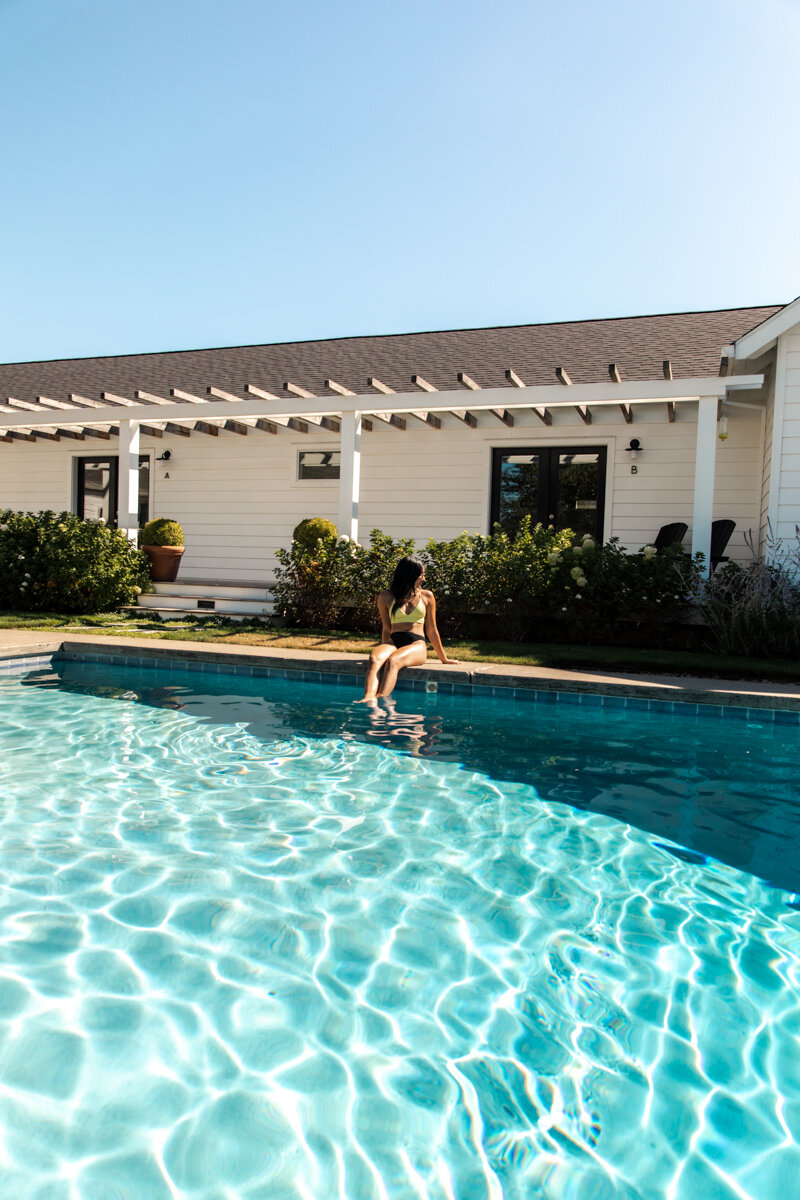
(242, 961)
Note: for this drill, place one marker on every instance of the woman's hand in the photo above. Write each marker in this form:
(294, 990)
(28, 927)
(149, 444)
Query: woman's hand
(451, 662)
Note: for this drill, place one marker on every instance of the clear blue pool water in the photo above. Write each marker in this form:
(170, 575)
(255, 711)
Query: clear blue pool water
(259, 941)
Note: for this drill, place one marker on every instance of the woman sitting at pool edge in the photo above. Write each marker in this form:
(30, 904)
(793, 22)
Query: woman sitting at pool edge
(408, 613)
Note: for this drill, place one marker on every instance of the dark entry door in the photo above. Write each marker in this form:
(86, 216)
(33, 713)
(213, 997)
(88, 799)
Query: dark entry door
(98, 489)
(562, 486)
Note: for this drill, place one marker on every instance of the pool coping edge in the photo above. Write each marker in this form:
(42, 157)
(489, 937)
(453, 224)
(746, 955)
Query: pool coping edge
(464, 679)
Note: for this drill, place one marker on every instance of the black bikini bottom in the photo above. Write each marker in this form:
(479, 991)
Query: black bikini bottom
(406, 639)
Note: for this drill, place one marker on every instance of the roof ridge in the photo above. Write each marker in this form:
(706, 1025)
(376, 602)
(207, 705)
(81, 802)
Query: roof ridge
(364, 337)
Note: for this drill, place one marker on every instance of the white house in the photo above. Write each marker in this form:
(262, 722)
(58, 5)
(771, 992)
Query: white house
(616, 426)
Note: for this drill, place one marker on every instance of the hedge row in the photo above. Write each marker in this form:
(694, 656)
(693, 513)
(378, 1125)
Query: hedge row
(502, 586)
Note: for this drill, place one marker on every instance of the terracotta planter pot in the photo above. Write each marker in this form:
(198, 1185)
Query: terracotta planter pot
(164, 562)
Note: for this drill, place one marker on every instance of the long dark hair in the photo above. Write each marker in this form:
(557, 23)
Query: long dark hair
(406, 574)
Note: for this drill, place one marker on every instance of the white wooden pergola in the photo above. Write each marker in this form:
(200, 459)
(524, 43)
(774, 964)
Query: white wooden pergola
(350, 414)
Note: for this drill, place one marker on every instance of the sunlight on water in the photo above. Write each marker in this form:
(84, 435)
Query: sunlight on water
(270, 945)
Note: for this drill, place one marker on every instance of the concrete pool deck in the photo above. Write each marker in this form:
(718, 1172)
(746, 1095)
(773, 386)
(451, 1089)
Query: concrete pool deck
(18, 643)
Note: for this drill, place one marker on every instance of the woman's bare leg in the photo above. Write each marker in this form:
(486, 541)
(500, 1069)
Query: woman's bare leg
(376, 660)
(410, 656)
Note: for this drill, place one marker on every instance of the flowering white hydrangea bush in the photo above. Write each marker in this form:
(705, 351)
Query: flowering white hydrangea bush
(55, 562)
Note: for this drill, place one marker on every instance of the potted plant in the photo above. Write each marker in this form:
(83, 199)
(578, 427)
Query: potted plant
(162, 542)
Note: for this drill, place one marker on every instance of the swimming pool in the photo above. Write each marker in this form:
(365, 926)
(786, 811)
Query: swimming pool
(259, 941)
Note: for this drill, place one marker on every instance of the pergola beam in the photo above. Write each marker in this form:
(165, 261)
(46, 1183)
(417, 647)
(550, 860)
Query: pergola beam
(468, 382)
(547, 396)
(150, 398)
(338, 388)
(108, 397)
(60, 405)
(388, 419)
(544, 415)
(294, 389)
(427, 418)
(188, 397)
(252, 390)
(423, 384)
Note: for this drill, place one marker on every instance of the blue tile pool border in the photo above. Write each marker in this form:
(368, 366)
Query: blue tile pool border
(550, 697)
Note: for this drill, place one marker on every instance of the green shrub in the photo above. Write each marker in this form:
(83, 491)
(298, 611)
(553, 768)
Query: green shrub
(161, 532)
(309, 532)
(600, 590)
(337, 581)
(538, 582)
(755, 609)
(55, 562)
(503, 576)
(371, 569)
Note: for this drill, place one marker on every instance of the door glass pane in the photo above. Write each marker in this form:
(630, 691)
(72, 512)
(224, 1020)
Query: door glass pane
(519, 490)
(97, 501)
(144, 489)
(578, 489)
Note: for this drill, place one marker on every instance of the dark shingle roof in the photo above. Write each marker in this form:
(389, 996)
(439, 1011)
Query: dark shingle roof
(638, 345)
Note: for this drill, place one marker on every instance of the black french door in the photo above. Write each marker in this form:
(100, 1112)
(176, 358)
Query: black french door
(98, 489)
(562, 486)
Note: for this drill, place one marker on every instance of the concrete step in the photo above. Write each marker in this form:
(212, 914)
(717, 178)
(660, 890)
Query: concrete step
(175, 614)
(214, 590)
(155, 602)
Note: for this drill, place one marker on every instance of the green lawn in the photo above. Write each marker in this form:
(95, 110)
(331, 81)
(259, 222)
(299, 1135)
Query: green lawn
(612, 658)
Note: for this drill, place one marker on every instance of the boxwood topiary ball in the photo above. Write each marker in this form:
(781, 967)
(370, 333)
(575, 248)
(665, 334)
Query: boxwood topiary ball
(308, 532)
(161, 532)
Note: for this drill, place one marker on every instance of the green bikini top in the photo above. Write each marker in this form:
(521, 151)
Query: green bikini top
(398, 617)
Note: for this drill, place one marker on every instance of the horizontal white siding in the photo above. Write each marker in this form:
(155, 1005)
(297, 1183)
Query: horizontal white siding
(786, 466)
(238, 498)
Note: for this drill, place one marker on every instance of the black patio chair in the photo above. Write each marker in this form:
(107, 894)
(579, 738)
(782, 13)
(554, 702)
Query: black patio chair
(670, 535)
(720, 536)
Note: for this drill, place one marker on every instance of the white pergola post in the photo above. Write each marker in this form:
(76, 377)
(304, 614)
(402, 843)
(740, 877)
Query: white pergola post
(349, 474)
(128, 519)
(702, 513)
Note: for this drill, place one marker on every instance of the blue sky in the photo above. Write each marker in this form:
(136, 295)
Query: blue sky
(185, 173)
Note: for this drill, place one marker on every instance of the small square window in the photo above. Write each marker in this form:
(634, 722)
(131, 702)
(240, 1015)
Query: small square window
(318, 464)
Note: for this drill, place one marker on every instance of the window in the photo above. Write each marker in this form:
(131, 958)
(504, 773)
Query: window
(561, 485)
(318, 464)
(98, 489)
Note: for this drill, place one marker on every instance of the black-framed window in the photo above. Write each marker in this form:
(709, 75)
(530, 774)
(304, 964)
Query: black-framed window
(97, 497)
(562, 486)
(319, 464)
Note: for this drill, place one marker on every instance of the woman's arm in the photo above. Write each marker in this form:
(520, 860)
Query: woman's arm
(432, 631)
(386, 624)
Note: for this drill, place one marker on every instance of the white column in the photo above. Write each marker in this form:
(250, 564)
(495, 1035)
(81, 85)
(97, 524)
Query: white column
(702, 514)
(129, 478)
(350, 474)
